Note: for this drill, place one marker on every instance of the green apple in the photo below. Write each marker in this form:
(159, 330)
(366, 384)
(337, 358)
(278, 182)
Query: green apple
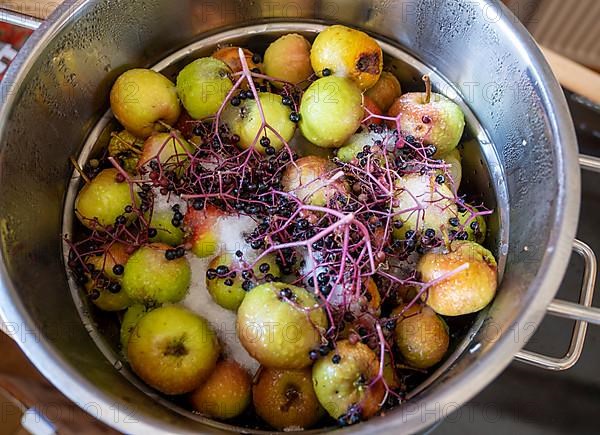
(103, 200)
(476, 229)
(454, 159)
(309, 179)
(140, 98)
(346, 52)
(421, 203)
(279, 324)
(331, 111)
(109, 296)
(226, 394)
(342, 380)
(126, 148)
(150, 278)
(286, 398)
(288, 59)
(466, 291)
(357, 143)
(245, 121)
(130, 320)
(200, 230)
(421, 336)
(173, 350)
(228, 291)
(203, 85)
(166, 232)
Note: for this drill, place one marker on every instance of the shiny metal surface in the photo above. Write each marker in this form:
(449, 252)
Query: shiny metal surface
(56, 91)
(17, 19)
(589, 163)
(582, 313)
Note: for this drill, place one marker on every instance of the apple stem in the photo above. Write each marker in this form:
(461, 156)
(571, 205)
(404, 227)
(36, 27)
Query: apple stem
(80, 170)
(165, 125)
(129, 146)
(427, 81)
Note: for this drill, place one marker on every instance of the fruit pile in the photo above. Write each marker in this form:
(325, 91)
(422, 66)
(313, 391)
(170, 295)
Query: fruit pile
(282, 237)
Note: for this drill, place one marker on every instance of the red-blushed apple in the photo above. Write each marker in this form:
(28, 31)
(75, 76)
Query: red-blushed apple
(288, 59)
(311, 180)
(226, 394)
(385, 91)
(286, 399)
(430, 118)
(200, 230)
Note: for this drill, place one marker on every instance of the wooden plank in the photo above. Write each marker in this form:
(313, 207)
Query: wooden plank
(34, 8)
(574, 76)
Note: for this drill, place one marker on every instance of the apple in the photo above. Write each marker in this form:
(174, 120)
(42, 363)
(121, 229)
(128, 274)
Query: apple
(286, 398)
(464, 292)
(203, 85)
(330, 111)
(151, 278)
(245, 121)
(309, 179)
(199, 227)
(231, 57)
(421, 336)
(226, 394)
(279, 324)
(288, 59)
(454, 159)
(385, 91)
(357, 142)
(431, 118)
(140, 98)
(170, 149)
(230, 289)
(132, 316)
(342, 381)
(421, 203)
(173, 350)
(126, 148)
(103, 200)
(345, 52)
(108, 270)
(166, 232)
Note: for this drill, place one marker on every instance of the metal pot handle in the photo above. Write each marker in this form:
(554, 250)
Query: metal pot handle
(583, 312)
(19, 19)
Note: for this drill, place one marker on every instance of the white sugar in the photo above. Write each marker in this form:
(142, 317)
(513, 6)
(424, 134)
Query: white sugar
(230, 231)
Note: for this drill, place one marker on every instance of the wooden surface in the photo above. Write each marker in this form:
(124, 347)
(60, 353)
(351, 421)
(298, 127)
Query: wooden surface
(21, 385)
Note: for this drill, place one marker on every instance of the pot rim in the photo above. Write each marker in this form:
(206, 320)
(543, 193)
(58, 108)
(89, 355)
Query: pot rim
(454, 392)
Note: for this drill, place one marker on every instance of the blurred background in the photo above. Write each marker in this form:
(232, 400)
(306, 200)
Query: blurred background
(523, 399)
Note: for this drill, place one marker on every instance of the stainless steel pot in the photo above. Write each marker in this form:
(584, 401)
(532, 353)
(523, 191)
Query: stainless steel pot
(56, 91)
